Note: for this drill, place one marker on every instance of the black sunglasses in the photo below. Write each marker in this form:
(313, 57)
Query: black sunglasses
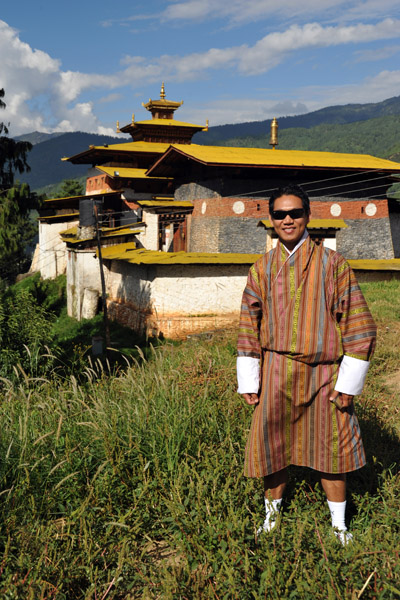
(294, 213)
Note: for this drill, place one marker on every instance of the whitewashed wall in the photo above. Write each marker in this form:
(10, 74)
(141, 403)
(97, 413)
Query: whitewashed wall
(174, 300)
(83, 272)
(50, 256)
(149, 237)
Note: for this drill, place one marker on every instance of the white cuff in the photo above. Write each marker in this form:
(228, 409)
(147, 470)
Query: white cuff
(248, 374)
(352, 374)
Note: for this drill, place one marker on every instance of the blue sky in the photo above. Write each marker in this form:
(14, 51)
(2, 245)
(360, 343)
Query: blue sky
(83, 65)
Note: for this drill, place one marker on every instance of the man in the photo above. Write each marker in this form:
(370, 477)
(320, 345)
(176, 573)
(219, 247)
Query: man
(305, 340)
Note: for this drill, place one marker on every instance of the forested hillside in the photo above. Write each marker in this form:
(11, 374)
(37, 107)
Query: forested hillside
(380, 137)
(45, 157)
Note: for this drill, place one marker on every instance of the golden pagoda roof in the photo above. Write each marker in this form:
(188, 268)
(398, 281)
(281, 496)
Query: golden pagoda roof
(369, 264)
(71, 235)
(127, 252)
(123, 148)
(312, 224)
(80, 197)
(266, 158)
(168, 122)
(165, 203)
(126, 173)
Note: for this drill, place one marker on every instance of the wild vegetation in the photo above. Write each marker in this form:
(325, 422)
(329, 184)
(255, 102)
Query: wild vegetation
(37, 334)
(131, 486)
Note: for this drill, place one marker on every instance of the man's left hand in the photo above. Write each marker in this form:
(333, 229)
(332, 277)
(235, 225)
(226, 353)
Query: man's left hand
(341, 400)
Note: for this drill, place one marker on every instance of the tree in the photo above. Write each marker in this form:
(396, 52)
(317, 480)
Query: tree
(70, 187)
(12, 154)
(16, 202)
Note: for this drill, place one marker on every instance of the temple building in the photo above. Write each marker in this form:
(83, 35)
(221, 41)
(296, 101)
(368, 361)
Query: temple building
(117, 176)
(180, 223)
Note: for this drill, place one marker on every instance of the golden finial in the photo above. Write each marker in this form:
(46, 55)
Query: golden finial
(118, 129)
(133, 118)
(162, 93)
(206, 127)
(274, 133)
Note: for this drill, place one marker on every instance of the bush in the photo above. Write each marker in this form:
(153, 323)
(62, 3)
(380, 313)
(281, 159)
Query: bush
(25, 334)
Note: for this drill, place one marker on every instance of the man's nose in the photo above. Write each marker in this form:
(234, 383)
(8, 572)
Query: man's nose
(288, 219)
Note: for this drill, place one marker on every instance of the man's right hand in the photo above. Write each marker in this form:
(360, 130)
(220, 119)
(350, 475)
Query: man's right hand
(251, 399)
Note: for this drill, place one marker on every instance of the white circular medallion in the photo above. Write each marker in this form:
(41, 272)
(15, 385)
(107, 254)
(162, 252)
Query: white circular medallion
(336, 209)
(203, 208)
(370, 209)
(238, 207)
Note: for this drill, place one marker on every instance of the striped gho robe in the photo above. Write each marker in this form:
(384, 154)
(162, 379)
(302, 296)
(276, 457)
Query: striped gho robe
(305, 320)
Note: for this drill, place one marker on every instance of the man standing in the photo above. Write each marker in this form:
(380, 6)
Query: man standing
(305, 340)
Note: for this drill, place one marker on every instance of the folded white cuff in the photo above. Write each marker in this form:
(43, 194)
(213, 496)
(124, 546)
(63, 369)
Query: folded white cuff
(248, 374)
(351, 376)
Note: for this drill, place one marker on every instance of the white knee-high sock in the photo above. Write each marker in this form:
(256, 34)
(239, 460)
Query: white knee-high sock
(338, 510)
(272, 508)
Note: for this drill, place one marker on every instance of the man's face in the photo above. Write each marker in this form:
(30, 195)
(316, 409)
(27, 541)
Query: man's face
(289, 229)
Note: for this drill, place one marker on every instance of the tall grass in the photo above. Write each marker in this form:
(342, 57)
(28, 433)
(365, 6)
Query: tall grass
(132, 487)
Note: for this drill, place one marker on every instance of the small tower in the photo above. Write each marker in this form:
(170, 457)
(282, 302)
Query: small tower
(162, 108)
(162, 128)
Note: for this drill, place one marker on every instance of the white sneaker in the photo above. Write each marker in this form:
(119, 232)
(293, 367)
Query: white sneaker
(344, 536)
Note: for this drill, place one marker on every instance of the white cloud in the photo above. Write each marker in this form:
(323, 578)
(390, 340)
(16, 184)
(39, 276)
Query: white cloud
(272, 49)
(375, 54)
(110, 98)
(263, 55)
(242, 11)
(385, 84)
(38, 94)
(241, 110)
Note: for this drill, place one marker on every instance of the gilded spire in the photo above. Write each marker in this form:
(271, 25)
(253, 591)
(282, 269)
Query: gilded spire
(162, 93)
(118, 129)
(274, 133)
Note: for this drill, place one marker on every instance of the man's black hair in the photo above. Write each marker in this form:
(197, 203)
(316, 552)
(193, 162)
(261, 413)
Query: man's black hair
(290, 190)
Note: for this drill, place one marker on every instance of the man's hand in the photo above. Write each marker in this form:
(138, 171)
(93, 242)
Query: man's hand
(251, 399)
(341, 400)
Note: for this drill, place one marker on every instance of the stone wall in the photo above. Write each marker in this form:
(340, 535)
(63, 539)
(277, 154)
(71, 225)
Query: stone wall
(395, 230)
(204, 234)
(242, 235)
(366, 239)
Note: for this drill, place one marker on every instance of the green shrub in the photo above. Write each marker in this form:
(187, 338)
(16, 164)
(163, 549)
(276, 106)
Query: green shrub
(25, 334)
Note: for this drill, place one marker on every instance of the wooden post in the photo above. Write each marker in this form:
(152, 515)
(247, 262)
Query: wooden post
(103, 283)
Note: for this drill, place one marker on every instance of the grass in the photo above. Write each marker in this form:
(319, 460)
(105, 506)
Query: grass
(132, 487)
